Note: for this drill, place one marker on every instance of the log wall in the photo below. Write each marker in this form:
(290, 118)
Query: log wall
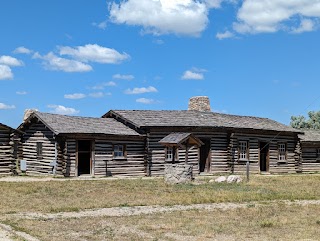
(310, 160)
(290, 165)
(37, 132)
(133, 164)
(147, 157)
(156, 154)
(224, 152)
(7, 161)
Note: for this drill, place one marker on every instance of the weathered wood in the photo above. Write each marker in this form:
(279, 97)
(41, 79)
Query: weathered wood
(7, 151)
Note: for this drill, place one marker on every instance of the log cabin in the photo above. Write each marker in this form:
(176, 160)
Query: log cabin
(8, 149)
(73, 146)
(228, 141)
(310, 149)
(142, 142)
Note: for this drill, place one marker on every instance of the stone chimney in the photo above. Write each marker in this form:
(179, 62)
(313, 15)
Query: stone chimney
(200, 103)
(27, 113)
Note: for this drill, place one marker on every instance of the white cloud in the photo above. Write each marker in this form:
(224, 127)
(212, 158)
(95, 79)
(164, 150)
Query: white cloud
(62, 110)
(97, 95)
(273, 15)
(213, 3)
(192, 75)
(123, 76)
(22, 50)
(182, 17)
(94, 53)
(53, 62)
(74, 96)
(225, 35)
(10, 61)
(145, 101)
(101, 25)
(5, 72)
(140, 90)
(6, 107)
(306, 25)
(103, 85)
(21, 92)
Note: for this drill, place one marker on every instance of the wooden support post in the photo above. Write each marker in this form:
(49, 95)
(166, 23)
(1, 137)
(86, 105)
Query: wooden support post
(248, 170)
(187, 154)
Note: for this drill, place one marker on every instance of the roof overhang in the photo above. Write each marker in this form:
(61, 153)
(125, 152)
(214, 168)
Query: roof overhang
(180, 138)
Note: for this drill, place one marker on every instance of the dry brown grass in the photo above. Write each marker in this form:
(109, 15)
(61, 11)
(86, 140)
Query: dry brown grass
(268, 222)
(56, 196)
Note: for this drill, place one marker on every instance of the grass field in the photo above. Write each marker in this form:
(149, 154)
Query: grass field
(57, 196)
(271, 221)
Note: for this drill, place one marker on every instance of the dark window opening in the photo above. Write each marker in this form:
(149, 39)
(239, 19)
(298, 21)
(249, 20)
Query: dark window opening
(15, 149)
(39, 150)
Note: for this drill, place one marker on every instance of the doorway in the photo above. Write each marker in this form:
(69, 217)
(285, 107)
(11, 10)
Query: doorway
(264, 156)
(84, 157)
(205, 156)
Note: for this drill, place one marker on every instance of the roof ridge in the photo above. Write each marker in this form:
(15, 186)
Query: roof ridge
(72, 116)
(204, 112)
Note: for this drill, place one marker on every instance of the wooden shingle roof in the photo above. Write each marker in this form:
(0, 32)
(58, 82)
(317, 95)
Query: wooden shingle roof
(62, 124)
(172, 118)
(177, 138)
(310, 136)
(6, 127)
(12, 130)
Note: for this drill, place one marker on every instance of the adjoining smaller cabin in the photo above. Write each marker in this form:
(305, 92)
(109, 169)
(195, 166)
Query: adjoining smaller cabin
(8, 149)
(74, 146)
(310, 149)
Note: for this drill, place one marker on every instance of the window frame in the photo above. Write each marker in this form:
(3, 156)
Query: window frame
(123, 151)
(174, 154)
(243, 155)
(282, 152)
(39, 150)
(15, 149)
(169, 153)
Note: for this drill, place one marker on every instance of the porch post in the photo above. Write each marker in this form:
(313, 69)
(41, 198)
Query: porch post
(187, 154)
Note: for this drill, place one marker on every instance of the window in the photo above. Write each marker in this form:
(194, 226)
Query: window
(15, 149)
(318, 153)
(118, 151)
(39, 150)
(243, 150)
(282, 152)
(169, 153)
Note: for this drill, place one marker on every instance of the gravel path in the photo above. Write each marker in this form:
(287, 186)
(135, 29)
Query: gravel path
(142, 210)
(4, 234)
(62, 179)
(7, 233)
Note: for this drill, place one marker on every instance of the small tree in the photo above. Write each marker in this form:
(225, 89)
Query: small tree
(300, 122)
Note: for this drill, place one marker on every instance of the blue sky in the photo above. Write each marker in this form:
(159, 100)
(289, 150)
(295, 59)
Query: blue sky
(82, 57)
